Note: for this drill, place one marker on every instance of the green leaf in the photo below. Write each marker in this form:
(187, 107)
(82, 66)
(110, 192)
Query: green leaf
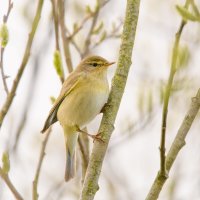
(183, 57)
(98, 28)
(97, 6)
(4, 35)
(186, 14)
(53, 99)
(88, 10)
(103, 37)
(6, 162)
(75, 27)
(57, 61)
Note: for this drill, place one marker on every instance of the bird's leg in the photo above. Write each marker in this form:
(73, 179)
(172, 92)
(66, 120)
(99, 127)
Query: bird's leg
(94, 137)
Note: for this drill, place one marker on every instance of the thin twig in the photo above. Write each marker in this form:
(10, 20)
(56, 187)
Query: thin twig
(85, 19)
(76, 31)
(8, 182)
(38, 170)
(4, 77)
(114, 34)
(88, 37)
(56, 27)
(167, 94)
(55, 17)
(176, 146)
(10, 6)
(25, 59)
(93, 24)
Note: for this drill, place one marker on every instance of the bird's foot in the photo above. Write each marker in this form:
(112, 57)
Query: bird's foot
(97, 137)
(94, 137)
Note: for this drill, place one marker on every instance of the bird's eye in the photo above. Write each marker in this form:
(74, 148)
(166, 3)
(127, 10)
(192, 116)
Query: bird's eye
(94, 64)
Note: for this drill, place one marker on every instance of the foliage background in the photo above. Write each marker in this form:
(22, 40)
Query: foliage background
(132, 160)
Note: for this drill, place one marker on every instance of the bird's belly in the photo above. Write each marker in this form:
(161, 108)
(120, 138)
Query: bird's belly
(80, 108)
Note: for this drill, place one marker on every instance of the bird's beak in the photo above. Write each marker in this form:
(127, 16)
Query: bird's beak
(109, 64)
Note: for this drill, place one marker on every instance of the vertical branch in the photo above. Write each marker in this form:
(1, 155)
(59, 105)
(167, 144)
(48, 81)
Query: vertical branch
(56, 27)
(61, 8)
(25, 59)
(167, 94)
(8, 182)
(55, 17)
(90, 185)
(176, 146)
(38, 170)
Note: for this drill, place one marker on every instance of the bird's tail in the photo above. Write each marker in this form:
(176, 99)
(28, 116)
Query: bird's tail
(70, 140)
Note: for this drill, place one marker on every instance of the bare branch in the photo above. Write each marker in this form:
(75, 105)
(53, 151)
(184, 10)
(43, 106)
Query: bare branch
(176, 146)
(38, 170)
(167, 94)
(90, 185)
(10, 6)
(8, 182)
(55, 17)
(56, 27)
(114, 34)
(68, 60)
(4, 77)
(88, 37)
(25, 59)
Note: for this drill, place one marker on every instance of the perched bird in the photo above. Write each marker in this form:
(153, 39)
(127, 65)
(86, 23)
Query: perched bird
(82, 97)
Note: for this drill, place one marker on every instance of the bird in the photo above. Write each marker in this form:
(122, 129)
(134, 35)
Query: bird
(83, 95)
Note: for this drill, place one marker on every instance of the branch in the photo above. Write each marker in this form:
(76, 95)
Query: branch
(38, 170)
(90, 186)
(26, 56)
(8, 182)
(5, 19)
(93, 15)
(4, 77)
(167, 94)
(176, 146)
(55, 18)
(115, 33)
(31, 87)
(88, 38)
(85, 19)
(61, 7)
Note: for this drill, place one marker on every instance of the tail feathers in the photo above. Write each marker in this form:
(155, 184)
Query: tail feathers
(70, 166)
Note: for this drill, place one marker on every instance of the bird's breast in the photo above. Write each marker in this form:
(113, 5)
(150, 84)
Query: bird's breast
(83, 103)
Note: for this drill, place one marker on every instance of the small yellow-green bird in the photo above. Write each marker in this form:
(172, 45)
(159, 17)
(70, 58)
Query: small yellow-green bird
(82, 97)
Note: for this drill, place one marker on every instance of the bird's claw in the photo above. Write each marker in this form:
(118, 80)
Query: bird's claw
(97, 137)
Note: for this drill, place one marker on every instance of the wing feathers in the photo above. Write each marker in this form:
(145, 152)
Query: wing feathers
(68, 86)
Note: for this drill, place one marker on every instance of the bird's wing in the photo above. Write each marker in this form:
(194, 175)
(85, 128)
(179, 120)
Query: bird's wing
(71, 82)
